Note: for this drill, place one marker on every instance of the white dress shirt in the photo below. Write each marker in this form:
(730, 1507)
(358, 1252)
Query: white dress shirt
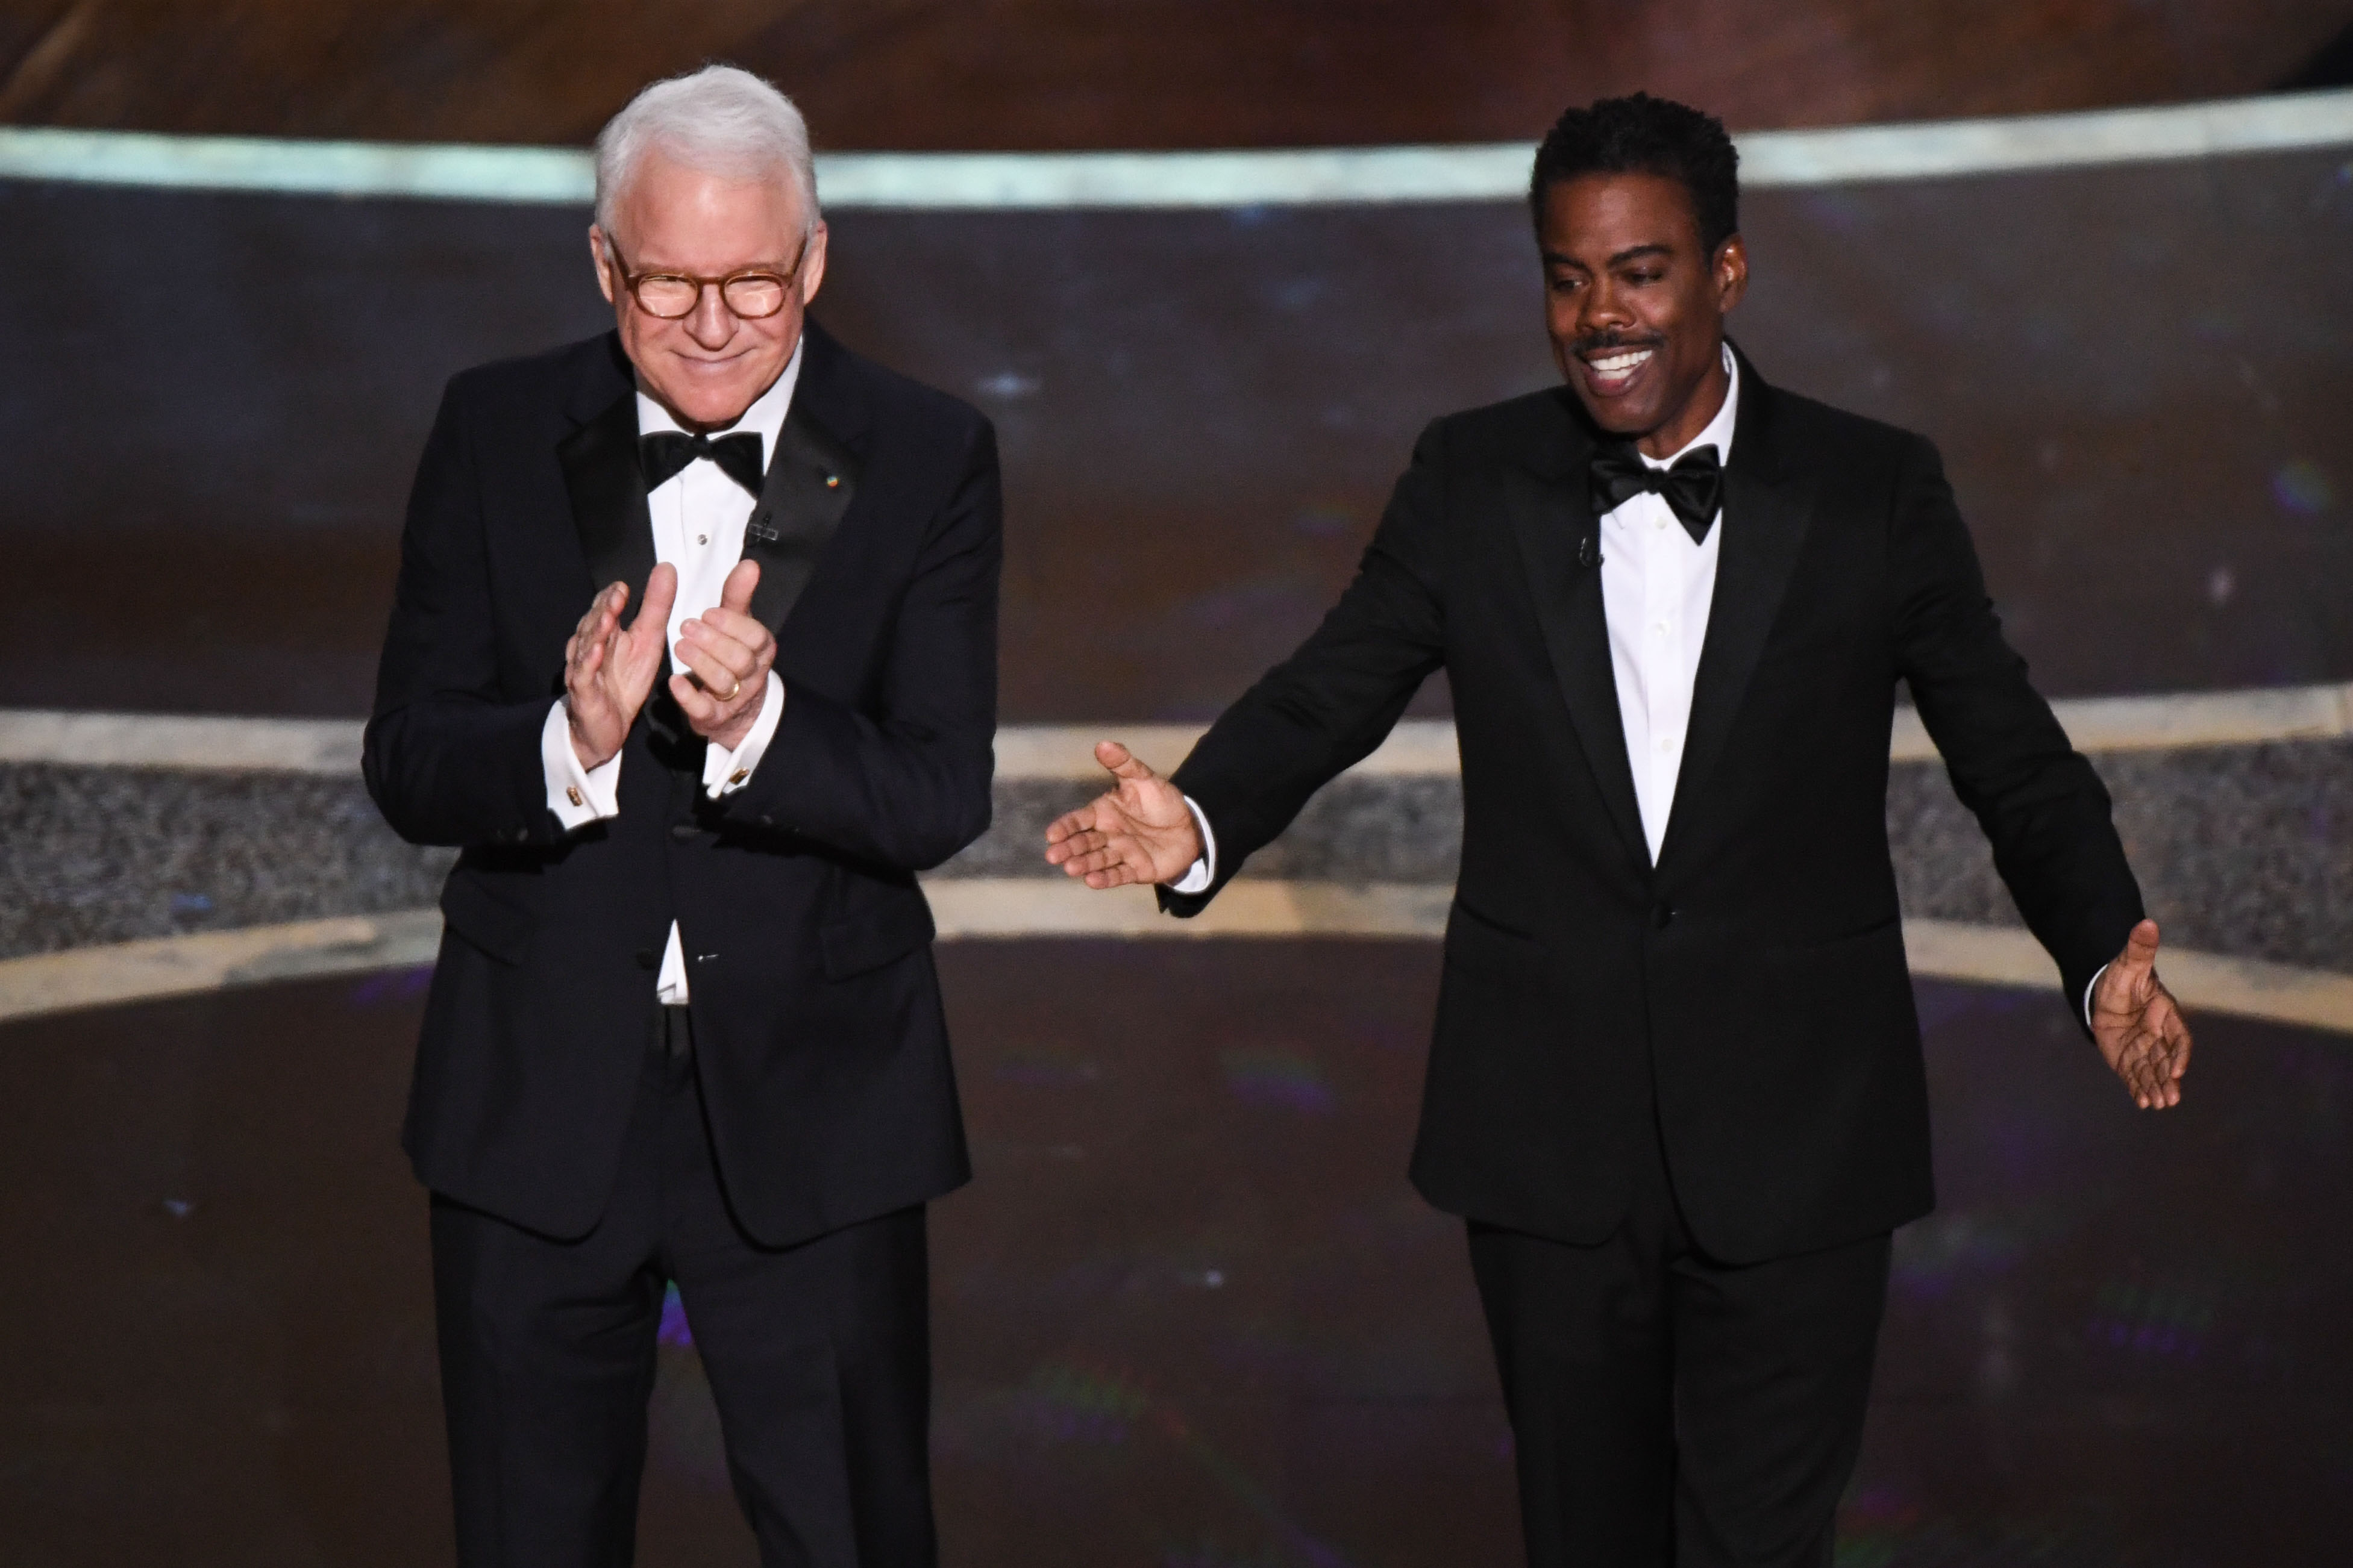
(699, 515)
(1656, 587)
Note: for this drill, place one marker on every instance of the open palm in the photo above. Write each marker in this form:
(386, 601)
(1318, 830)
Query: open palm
(2138, 1024)
(1140, 830)
(609, 669)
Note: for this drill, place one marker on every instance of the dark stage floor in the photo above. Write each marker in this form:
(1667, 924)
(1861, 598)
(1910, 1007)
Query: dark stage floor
(2137, 376)
(1190, 1315)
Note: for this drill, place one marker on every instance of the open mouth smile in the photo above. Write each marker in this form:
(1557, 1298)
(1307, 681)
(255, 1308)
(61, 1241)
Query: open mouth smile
(1612, 371)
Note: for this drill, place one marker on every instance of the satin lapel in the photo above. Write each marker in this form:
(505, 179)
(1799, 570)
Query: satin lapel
(609, 498)
(1766, 516)
(810, 483)
(1550, 514)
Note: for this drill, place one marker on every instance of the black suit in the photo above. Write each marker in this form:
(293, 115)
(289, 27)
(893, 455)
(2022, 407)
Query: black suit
(821, 1056)
(1739, 1013)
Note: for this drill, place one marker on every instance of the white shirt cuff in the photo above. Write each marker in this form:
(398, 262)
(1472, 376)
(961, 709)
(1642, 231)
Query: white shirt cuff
(725, 772)
(578, 795)
(1203, 871)
(2091, 990)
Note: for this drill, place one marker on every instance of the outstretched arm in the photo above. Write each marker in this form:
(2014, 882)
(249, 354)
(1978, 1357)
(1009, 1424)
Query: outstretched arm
(1322, 709)
(2043, 809)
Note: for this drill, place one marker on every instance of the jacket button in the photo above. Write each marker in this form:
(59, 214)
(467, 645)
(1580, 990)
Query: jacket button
(1664, 916)
(644, 958)
(682, 831)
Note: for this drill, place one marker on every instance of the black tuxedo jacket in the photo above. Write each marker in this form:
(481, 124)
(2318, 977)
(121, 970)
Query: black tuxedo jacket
(816, 1015)
(1751, 985)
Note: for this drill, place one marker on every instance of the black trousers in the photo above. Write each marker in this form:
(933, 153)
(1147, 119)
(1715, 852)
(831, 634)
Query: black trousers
(818, 1357)
(1668, 1409)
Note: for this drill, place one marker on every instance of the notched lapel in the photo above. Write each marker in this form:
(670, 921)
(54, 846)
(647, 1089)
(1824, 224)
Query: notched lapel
(1766, 514)
(1550, 514)
(810, 483)
(609, 498)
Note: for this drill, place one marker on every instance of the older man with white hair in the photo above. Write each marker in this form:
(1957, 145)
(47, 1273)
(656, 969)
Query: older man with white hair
(694, 657)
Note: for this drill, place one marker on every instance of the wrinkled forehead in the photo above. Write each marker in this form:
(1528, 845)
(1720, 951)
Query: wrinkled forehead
(673, 213)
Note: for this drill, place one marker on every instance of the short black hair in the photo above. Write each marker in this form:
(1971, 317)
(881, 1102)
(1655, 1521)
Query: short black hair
(1646, 135)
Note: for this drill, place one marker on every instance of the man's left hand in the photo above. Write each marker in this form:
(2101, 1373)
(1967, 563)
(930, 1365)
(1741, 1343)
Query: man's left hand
(726, 655)
(2138, 1024)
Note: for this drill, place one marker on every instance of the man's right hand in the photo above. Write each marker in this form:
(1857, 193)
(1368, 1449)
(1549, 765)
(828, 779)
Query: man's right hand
(1140, 830)
(608, 670)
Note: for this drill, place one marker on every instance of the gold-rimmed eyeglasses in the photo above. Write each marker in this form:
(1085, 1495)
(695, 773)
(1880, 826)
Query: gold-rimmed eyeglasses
(755, 292)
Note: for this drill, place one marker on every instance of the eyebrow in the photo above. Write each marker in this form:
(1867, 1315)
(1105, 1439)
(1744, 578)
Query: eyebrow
(1554, 259)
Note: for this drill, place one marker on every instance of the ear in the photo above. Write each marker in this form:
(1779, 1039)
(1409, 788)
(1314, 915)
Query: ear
(1730, 268)
(601, 255)
(812, 270)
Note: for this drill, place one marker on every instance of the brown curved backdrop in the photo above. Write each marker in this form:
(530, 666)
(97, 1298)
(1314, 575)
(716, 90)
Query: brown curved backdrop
(1121, 73)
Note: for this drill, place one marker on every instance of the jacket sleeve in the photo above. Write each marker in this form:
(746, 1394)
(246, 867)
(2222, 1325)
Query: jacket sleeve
(2042, 807)
(1328, 705)
(904, 781)
(448, 758)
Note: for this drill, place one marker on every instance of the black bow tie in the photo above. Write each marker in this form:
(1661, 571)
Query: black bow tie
(1692, 489)
(663, 453)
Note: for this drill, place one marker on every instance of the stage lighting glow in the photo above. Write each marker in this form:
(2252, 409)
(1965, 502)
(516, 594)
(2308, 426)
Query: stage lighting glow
(674, 1330)
(2302, 486)
(2169, 1322)
(1278, 1078)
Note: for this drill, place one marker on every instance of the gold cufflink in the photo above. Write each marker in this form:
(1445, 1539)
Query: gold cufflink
(739, 776)
(572, 794)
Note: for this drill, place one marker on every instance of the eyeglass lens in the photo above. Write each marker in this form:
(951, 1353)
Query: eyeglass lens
(748, 294)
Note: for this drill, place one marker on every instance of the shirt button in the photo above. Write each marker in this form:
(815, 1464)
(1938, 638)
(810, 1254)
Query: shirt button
(702, 539)
(1666, 746)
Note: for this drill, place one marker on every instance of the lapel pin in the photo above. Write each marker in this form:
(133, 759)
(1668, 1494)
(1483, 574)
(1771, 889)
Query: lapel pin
(1589, 551)
(833, 482)
(759, 529)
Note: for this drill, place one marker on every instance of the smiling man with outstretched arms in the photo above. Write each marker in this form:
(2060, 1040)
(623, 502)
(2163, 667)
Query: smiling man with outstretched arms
(1676, 1086)
(685, 1029)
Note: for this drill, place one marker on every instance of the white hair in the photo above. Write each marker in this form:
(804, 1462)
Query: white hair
(720, 120)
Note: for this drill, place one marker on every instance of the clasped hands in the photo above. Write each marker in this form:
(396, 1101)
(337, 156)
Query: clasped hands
(1142, 831)
(609, 669)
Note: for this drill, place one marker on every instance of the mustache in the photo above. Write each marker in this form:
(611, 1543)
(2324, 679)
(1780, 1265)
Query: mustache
(1598, 342)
